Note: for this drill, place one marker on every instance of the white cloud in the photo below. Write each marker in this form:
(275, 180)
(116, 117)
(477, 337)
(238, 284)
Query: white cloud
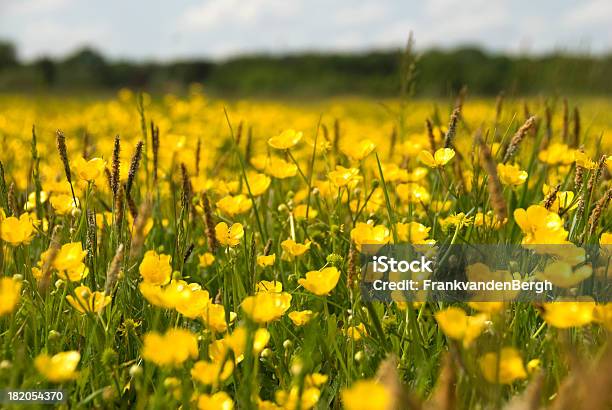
(49, 37)
(24, 7)
(219, 28)
(214, 14)
(591, 12)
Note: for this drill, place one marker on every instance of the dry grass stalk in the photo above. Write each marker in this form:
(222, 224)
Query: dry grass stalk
(551, 196)
(52, 251)
(112, 275)
(188, 253)
(430, 135)
(91, 234)
(155, 146)
(352, 266)
(401, 398)
(186, 188)
(518, 137)
(12, 200)
(336, 143)
(3, 190)
(494, 185)
(600, 207)
(268, 247)
(392, 142)
(131, 204)
(197, 156)
(119, 203)
(594, 179)
(208, 221)
(531, 396)
(133, 168)
(60, 142)
(443, 396)
(587, 388)
(116, 167)
(499, 105)
(248, 150)
(452, 128)
(140, 223)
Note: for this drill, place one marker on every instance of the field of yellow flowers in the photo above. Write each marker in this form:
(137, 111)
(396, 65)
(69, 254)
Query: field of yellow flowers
(180, 251)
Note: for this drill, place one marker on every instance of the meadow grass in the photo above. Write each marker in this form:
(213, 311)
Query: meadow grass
(112, 244)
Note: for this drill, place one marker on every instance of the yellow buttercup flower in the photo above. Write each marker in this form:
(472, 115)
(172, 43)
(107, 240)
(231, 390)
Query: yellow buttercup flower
(299, 212)
(533, 366)
(565, 314)
(504, 368)
(234, 205)
(17, 231)
(259, 162)
(603, 314)
(343, 176)
(168, 296)
(563, 199)
(366, 395)
(170, 349)
(258, 183)
(211, 373)
(266, 307)
(89, 170)
(584, 161)
(366, 234)
(229, 236)
(315, 379)
(440, 206)
(511, 174)
(216, 401)
(291, 400)
(487, 307)
(286, 139)
(206, 259)
(321, 282)
(540, 226)
(87, 301)
(456, 324)
(237, 343)
(281, 169)
(64, 204)
(31, 203)
(413, 193)
(213, 317)
(488, 220)
(69, 262)
(413, 232)
(58, 368)
(392, 172)
(564, 275)
(155, 268)
(356, 332)
(440, 158)
(266, 260)
(10, 290)
(269, 286)
(557, 154)
(295, 249)
(300, 318)
(195, 302)
(358, 150)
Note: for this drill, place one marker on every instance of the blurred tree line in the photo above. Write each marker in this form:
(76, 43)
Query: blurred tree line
(438, 73)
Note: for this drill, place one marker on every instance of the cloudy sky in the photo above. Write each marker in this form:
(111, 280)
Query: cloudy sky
(163, 30)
